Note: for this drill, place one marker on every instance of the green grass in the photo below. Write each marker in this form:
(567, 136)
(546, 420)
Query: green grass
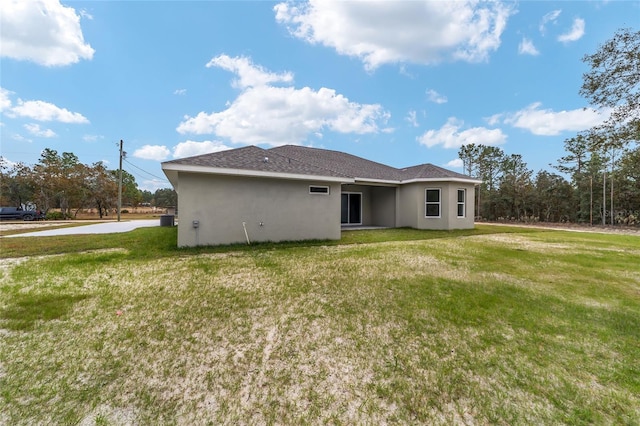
(496, 325)
(155, 242)
(28, 310)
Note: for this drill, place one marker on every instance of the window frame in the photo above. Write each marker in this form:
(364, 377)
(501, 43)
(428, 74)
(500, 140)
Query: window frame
(428, 203)
(462, 203)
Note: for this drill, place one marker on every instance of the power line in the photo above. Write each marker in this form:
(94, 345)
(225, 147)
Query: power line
(144, 171)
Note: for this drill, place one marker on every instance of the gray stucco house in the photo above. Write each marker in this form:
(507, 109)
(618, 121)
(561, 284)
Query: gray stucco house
(298, 193)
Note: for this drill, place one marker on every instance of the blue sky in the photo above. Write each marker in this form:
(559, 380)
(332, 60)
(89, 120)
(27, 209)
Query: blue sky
(401, 83)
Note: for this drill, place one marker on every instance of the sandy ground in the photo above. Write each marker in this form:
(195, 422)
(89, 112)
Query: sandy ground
(607, 229)
(11, 226)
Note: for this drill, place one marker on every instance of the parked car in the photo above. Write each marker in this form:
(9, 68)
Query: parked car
(17, 213)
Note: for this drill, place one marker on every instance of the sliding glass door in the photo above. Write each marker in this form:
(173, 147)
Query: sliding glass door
(351, 211)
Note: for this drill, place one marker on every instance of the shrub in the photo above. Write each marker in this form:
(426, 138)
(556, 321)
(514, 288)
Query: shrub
(54, 216)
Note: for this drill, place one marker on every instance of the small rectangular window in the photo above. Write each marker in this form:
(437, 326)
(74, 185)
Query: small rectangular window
(461, 198)
(432, 203)
(318, 190)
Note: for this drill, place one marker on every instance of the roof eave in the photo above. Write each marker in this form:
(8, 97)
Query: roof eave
(172, 175)
(415, 180)
(377, 181)
(172, 167)
(443, 179)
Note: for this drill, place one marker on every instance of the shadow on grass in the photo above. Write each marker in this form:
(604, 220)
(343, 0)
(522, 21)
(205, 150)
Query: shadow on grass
(26, 310)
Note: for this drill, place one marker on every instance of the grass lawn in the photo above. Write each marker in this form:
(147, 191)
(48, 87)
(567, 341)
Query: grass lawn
(497, 325)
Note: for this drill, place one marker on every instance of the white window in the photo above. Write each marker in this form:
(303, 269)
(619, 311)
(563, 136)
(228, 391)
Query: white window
(318, 189)
(462, 195)
(432, 202)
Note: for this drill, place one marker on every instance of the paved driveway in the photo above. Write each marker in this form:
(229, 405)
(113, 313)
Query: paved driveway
(96, 228)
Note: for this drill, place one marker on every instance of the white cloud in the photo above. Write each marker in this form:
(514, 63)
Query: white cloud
(250, 75)
(378, 32)
(450, 135)
(45, 111)
(20, 138)
(456, 164)
(5, 102)
(152, 185)
(411, 118)
(86, 15)
(42, 31)
(35, 130)
(152, 152)
(526, 47)
(192, 148)
(5, 162)
(546, 122)
(180, 92)
(494, 119)
(575, 33)
(281, 115)
(92, 138)
(183, 149)
(436, 97)
(284, 115)
(549, 17)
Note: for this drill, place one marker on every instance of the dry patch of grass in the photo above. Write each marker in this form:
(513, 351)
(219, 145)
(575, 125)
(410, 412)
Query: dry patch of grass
(481, 329)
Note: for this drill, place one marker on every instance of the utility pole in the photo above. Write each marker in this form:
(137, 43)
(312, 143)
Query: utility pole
(591, 202)
(613, 158)
(604, 196)
(120, 182)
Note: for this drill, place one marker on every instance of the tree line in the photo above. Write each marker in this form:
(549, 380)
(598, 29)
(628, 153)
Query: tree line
(61, 181)
(600, 189)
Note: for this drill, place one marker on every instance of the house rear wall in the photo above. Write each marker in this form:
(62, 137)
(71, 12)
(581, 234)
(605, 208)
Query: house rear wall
(412, 206)
(285, 208)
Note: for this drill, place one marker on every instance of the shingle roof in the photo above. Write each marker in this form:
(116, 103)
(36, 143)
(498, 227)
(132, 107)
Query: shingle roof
(293, 159)
(429, 171)
(255, 159)
(339, 162)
